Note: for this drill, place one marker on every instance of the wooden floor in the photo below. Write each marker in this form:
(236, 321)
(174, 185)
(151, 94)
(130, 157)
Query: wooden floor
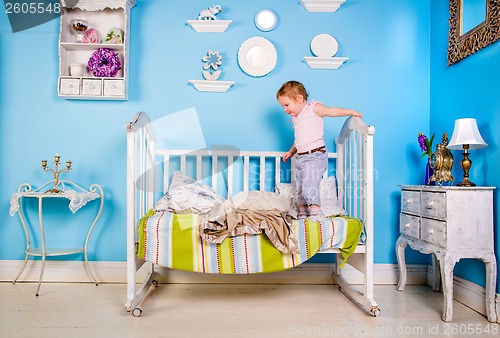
(227, 310)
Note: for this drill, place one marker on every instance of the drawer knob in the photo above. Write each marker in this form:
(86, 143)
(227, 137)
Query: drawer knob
(408, 201)
(430, 231)
(407, 225)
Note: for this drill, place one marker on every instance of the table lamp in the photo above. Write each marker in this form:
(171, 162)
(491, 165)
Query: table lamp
(466, 136)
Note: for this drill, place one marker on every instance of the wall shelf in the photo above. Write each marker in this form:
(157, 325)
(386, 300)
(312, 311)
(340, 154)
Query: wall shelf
(211, 85)
(102, 16)
(321, 5)
(324, 62)
(209, 26)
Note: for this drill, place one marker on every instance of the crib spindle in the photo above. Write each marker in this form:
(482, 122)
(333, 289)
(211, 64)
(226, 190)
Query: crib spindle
(230, 161)
(246, 169)
(166, 170)
(262, 173)
(277, 172)
(214, 171)
(183, 163)
(198, 167)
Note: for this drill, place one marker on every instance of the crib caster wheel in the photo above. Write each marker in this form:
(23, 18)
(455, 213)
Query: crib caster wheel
(154, 282)
(137, 312)
(375, 311)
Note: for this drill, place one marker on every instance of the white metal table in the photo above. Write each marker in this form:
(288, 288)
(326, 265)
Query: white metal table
(77, 196)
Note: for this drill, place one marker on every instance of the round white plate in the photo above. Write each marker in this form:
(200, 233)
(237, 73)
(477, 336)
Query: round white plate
(257, 56)
(324, 45)
(266, 20)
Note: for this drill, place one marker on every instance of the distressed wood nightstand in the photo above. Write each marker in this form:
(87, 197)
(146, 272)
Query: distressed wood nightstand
(451, 223)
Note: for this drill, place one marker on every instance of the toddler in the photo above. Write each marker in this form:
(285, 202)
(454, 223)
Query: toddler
(309, 144)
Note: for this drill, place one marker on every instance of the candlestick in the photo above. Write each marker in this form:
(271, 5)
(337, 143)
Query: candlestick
(56, 172)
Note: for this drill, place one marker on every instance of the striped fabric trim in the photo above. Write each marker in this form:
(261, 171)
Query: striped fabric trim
(172, 240)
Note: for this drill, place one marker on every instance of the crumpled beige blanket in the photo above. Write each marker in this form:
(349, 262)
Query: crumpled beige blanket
(275, 224)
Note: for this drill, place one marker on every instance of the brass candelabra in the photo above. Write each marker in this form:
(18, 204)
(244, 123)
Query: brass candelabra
(56, 172)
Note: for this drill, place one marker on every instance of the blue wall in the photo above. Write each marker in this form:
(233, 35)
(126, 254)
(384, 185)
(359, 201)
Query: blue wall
(387, 78)
(467, 89)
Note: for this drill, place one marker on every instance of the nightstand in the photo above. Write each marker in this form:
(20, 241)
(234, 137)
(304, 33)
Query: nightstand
(451, 223)
(77, 198)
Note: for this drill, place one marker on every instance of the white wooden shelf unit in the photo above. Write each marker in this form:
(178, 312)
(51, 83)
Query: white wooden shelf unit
(101, 15)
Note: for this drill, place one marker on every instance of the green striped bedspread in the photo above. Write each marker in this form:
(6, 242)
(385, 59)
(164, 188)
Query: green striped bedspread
(173, 240)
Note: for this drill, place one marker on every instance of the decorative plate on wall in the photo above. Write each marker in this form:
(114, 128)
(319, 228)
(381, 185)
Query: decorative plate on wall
(257, 56)
(324, 45)
(266, 20)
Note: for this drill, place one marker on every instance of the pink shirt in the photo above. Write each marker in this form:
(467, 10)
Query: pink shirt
(308, 129)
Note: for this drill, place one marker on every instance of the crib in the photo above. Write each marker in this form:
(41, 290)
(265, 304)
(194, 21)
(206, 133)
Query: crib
(149, 171)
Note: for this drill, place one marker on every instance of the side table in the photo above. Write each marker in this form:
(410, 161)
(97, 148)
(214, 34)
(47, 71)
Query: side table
(77, 196)
(451, 223)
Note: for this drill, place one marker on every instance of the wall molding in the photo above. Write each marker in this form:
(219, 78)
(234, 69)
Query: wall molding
(116, 272)
(465, 292)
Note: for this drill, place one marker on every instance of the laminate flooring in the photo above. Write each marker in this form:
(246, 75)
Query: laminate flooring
(229, 310)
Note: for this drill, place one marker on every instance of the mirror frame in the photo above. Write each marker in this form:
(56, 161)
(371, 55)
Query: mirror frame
(484, 34)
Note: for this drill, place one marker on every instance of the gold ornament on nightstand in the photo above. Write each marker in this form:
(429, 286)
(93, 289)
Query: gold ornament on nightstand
(56, 172)
(442, 162)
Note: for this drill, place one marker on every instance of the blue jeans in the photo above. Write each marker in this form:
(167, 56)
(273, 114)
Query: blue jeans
(309, 170)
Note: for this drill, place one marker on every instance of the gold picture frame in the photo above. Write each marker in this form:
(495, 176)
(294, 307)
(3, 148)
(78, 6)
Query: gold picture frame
(462, 45)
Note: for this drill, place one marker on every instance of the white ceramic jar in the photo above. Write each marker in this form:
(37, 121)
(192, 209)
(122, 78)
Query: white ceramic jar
(76, 69)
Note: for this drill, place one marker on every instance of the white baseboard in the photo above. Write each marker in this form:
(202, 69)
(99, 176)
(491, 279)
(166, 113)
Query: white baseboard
(466, 292)
(116, 272)
(64, 271)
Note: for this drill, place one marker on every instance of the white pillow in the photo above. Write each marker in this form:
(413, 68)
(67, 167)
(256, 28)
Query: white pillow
(330, 205)
(261, 200)
(288, 190)
(253, 200)
(185, 195)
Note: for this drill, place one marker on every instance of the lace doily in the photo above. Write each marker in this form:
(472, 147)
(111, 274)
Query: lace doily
(77, 199)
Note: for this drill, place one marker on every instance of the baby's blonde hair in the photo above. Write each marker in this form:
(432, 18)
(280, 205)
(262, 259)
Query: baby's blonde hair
(292, 89)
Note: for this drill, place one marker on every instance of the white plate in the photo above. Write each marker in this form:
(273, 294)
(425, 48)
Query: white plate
(266, 20)
(324, 45)
(257, 56)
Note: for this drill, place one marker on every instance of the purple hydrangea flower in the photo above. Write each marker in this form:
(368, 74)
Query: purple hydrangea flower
(104, 62)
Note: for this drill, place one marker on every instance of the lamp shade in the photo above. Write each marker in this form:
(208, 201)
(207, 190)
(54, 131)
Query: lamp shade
(466, 132)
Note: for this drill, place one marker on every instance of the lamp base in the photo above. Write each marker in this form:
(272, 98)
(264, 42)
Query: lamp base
(466, 164)
(466, 183)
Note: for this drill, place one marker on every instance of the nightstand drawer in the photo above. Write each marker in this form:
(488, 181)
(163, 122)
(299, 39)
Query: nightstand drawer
(434, 204)
(410, 201)
(409, 225)
(433, 231)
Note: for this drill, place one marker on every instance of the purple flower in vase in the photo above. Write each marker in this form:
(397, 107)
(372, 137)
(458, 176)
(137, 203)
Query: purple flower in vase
(425, 144)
